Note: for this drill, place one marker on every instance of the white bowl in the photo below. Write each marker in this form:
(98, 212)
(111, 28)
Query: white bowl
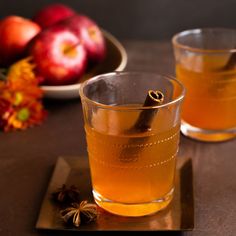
(116, 60)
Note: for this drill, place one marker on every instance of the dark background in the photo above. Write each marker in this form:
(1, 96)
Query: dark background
(140, 19)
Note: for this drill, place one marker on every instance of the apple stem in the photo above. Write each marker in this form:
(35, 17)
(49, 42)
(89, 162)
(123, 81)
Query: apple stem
(67, 50)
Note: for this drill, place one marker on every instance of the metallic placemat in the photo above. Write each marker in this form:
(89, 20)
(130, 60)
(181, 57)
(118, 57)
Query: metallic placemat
(178, 216)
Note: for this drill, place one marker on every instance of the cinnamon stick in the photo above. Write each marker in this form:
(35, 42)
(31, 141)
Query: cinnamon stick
(143, 123)
(146, 117)
(231, 62)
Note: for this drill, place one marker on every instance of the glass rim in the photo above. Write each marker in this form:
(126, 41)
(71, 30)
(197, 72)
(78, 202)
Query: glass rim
(200, 50)
(125, 108)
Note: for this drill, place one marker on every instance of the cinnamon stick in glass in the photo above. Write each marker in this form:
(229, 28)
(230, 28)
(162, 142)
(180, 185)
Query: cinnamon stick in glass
(231, 62)
(143, 123)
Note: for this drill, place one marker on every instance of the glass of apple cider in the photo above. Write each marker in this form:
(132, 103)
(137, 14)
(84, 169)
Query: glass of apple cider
(132, 160)
(206, 65)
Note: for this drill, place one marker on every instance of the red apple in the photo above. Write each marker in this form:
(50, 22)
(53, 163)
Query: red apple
(59, 56)
(90, 34)
(52, 14)
(15, 34)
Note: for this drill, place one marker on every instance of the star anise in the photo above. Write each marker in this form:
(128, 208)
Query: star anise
(80, 213)
(66, 195)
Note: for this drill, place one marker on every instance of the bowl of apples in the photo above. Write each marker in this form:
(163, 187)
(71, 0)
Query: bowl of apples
(67, 48)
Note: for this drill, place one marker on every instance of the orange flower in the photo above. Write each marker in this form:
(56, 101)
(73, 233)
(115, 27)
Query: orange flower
(21, 77)
(25, 116)
(22, 70)
(20, 98)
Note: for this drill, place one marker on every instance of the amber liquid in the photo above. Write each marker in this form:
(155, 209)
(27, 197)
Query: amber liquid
(132, 174)
(210, 101)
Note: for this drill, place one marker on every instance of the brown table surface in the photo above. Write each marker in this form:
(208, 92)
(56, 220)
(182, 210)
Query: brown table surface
(27, 160)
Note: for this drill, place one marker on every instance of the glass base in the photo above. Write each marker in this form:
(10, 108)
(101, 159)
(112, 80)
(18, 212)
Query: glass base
(129, 209)
(207, 135)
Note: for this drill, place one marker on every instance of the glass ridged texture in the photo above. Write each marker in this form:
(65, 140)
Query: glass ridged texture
(132, 172)
(206, 65)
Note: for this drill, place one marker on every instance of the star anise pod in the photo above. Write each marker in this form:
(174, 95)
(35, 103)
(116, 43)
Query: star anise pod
(66, 195)
(80, 213)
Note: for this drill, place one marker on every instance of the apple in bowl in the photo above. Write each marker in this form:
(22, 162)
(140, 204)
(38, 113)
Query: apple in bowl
(15, 34)
(52, 14)
(83, 26)
(62, 52)
(62, 61)
(90, 34)
(59, 55)
(115, 60)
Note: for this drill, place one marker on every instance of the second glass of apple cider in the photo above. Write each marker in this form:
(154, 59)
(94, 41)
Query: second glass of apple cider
(206, 65)
(132, 170)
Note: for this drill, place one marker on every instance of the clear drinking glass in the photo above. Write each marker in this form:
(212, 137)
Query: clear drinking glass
(132, 148)
(206, 65)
